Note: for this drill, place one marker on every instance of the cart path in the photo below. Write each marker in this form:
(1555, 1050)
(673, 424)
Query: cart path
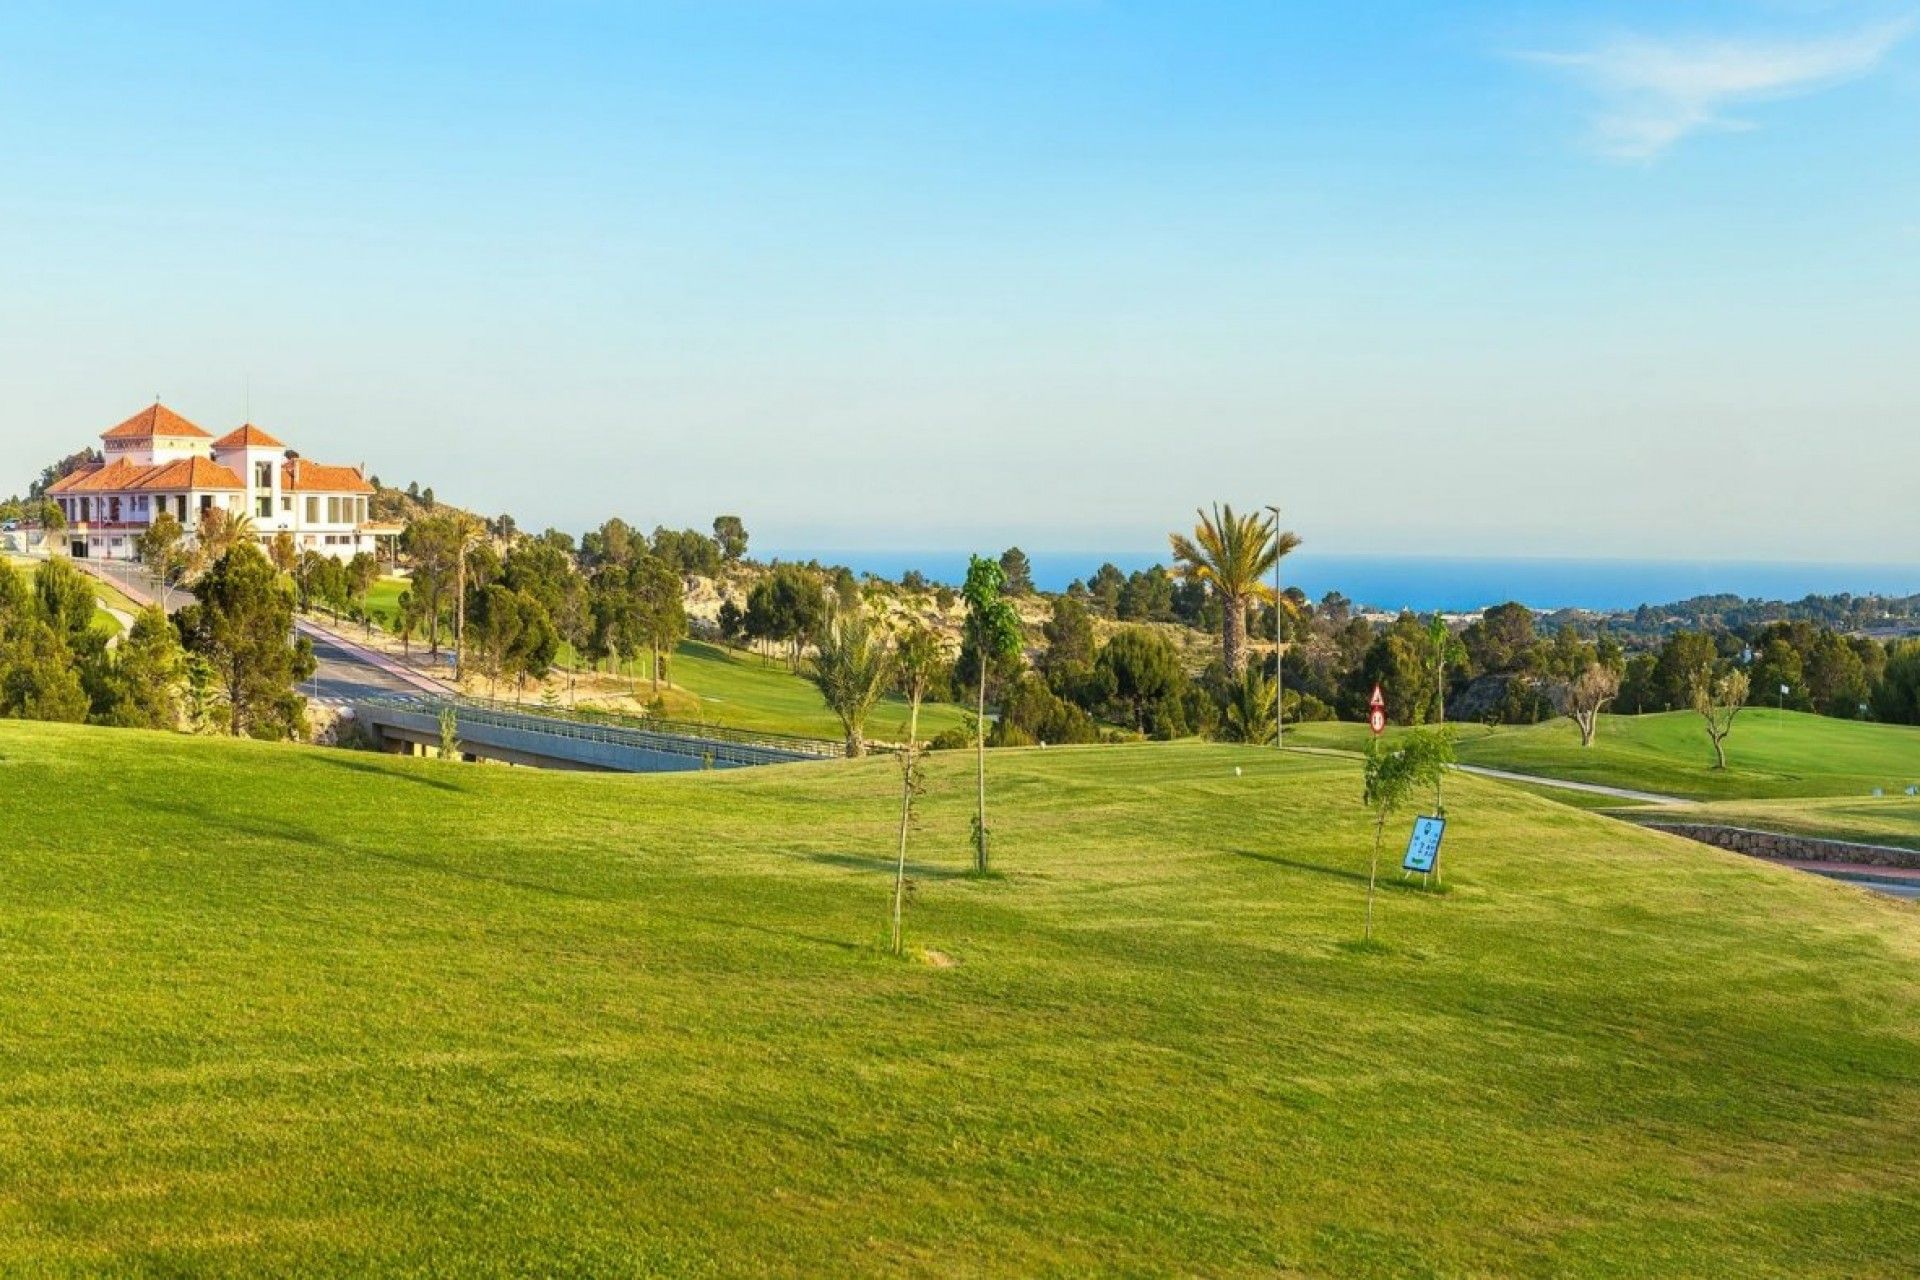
(1567, 784)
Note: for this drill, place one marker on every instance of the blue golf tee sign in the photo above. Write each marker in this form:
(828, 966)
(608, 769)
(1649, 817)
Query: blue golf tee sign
(1423, 850)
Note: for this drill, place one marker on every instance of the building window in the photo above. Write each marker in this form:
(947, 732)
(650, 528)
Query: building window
(313, 511)
(286, 506)
(263, 475)
(264, 505)
(206, 502)
(180, 502)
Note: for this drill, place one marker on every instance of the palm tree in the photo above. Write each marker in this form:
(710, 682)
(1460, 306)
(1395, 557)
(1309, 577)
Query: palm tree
(1249, 708)
(852, 665)
(1233, 555)
(465, 533)
(219, 532)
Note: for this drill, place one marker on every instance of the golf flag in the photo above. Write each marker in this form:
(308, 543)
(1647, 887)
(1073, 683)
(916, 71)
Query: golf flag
(1783, 691)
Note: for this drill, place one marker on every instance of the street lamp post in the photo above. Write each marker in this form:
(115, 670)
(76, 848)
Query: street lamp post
(1279, 671)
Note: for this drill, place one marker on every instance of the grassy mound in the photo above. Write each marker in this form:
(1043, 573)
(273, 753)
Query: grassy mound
(1770, 754)
(273, 1010)
(743, 689)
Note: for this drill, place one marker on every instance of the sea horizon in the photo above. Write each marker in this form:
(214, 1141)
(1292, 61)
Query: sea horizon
(1450, 584)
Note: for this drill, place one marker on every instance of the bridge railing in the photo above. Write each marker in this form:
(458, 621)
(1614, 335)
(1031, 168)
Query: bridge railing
(689, 741)
(820, 748)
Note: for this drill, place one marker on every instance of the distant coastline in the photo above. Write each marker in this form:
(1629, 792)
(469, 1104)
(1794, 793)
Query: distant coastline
(1455, 584)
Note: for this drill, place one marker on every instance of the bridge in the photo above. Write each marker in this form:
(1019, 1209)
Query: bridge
(400, 708)
(486, 730)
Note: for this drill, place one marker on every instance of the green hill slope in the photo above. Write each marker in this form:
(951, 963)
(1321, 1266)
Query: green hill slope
(1769, 755)
(751, 692)
(275, 1010)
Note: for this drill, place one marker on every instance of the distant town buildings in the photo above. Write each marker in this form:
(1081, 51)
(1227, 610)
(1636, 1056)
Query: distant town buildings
(157, 461)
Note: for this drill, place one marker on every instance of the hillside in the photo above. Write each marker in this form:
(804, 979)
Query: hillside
(734, 687)
(1770, 754)
(278, 1009)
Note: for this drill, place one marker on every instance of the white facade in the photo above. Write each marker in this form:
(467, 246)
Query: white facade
(158, 461)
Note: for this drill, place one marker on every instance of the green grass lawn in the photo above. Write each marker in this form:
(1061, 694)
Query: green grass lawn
(751, 692)
(112, 597)
(383, 597)
(1769, 755)
(276, 1010)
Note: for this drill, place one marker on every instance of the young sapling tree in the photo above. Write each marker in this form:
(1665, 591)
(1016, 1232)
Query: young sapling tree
(1394, 775)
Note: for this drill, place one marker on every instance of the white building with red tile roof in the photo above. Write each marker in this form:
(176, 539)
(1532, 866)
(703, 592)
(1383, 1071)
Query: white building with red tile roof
(157, 461)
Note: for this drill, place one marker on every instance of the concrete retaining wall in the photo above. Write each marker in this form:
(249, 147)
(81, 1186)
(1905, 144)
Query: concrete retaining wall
(1772, 844)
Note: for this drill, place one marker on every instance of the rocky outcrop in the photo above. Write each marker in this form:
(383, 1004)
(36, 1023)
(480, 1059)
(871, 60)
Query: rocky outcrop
(1500, 699)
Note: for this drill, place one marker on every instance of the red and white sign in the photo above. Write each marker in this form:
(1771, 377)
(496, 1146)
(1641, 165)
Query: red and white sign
(1377, 712)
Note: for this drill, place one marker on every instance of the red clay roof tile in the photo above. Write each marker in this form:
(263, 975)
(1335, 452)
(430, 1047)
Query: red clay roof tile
(155, 420)
(246, 435)
(300, 476)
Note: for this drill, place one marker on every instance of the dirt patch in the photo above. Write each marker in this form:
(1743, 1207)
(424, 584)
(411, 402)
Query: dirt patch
(937, 960)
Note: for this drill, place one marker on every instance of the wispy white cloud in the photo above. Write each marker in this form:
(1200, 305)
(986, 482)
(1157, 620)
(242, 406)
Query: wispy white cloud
(1652, 93)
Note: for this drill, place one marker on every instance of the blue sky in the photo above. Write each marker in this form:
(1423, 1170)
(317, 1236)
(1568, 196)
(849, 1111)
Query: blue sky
(1624, 279)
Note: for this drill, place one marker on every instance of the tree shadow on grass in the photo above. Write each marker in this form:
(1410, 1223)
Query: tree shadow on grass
(1391, 880)
(481, 877)
(339, 758)
(867, 862)
(1293, 864)
(791, 935)
(206, 817)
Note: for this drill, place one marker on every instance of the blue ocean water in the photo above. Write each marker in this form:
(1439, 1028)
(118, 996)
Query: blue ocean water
(1456, 584)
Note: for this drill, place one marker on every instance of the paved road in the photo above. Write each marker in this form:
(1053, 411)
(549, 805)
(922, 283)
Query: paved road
(340, 676)
(1897, 882)
(1910, 892)
(1503, 775)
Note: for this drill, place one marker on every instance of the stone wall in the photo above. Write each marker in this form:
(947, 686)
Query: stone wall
(1772, 844)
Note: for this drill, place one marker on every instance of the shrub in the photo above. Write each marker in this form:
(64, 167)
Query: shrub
(1035, 713)
(958, 738)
